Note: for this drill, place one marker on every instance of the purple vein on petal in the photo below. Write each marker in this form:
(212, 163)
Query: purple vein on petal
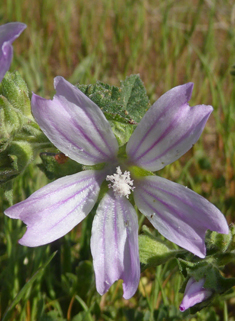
(65, 201)
(104, 250)
(72, 143)
(127, 230)
(197, 231)
(171, 102)
(90, 140)
(131, 271)
(173, 195)
(152, 207)
(171, 208)
(89, 108)
(49, 219)
(86, 136)
(184, 200)
(98, 177)
(184, 136)
(116, 235)
(99, 132)
(171, 126)
(153, 126)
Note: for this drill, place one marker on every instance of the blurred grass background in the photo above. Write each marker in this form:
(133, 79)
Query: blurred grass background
(168, 43)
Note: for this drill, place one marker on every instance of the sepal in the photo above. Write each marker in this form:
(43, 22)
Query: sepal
(56, 165)
(17, 157)
(20, 135)
(14, 88)
(11, 122)
(219, 242)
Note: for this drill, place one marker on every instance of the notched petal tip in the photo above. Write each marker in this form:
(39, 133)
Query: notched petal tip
(10, 31)
(54, 210)
(35, 99)
(8, 34)
(29, 242)
(188, 87)
(38, 107)
(168, 129)
(19, 28)
(222, 225)
(57, 80)
(178, 213)
(225, 228)
(114, 245)
(206, 110)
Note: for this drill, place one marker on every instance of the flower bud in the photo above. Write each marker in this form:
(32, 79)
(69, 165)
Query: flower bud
(194, 293)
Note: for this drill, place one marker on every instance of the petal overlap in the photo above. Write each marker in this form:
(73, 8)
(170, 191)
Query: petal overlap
(114, 245)
(8, 33)
(167, 130)
(75, 125)
(53, 210)
(178, 213)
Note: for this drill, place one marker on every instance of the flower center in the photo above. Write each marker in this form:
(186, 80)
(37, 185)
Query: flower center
(121, 183)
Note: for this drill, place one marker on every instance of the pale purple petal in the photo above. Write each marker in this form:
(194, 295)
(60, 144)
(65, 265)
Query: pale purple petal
(114, 245)
(55, 209)
(194, 294)
(8, 33)
(167, 130)
(178, 213)
(75, 125)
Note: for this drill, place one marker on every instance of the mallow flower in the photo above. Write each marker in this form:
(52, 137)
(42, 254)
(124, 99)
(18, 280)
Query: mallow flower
(79, 129)
(194, 293)
(8, 33)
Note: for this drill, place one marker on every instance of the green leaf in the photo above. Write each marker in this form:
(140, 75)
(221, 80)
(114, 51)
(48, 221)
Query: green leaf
(134, 98)
(56, 165)
(108, 99)
(27, 287)
(83, 316)
(123, 107)
(153, 251)
(86, 316)
(216, 282)
(81, 282)
(85, 278)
